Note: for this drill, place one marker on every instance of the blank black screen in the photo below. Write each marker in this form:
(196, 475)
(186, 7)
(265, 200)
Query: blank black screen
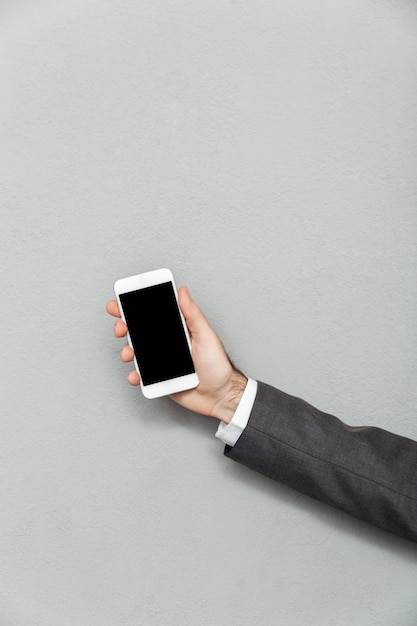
(157, 333)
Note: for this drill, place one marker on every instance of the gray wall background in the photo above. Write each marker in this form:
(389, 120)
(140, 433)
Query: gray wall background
(266, 152)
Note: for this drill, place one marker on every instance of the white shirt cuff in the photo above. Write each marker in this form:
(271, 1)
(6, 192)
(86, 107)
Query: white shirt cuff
(230, 433)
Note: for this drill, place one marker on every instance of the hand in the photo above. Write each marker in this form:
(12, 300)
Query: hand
(221, 384)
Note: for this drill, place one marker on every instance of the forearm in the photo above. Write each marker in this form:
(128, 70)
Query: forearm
(366, 472)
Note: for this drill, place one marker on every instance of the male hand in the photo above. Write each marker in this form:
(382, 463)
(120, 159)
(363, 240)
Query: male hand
(221, 384)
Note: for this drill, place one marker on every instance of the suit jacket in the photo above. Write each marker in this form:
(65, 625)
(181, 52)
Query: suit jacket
(367, 472)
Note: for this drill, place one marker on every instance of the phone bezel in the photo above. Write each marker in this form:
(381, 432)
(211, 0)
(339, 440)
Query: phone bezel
(141, 281)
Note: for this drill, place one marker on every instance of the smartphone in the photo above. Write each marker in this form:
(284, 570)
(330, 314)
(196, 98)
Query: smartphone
(157, 332)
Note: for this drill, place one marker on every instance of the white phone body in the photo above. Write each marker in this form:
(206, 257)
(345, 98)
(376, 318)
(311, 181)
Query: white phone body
(157, 332)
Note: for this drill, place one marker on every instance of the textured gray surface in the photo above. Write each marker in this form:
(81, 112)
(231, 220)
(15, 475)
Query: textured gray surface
(266, 153)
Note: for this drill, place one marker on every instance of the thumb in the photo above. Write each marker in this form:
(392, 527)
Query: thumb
(194, 318)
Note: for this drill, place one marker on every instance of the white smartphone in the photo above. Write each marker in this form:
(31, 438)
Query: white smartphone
(157, 333)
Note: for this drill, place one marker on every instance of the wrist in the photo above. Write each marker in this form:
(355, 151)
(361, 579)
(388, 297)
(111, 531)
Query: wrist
(226, 407)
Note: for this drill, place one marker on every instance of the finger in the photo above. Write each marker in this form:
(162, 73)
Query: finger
(126, 354)
(133, 378)
(112, 308)
(194, 317)
(120, 329)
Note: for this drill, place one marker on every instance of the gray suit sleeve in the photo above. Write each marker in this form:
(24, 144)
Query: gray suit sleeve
(367, 472)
